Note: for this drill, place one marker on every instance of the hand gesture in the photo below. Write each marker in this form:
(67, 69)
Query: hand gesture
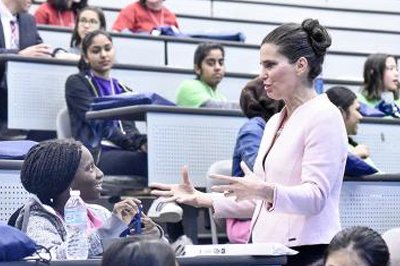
(182, 193)
(38, 50)
(361, 151)
(150, 228)
(248, 187)
(126, 209)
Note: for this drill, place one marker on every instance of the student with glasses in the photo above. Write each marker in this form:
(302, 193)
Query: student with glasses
(89, 19)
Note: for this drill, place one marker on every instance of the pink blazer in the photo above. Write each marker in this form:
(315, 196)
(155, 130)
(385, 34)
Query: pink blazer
(306, 164)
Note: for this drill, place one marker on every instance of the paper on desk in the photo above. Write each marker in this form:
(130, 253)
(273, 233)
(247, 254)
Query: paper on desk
(258, 249)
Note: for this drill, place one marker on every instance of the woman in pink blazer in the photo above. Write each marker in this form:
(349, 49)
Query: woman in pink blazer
(293, 193)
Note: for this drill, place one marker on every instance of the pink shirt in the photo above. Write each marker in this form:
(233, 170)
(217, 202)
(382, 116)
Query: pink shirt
(306, 163)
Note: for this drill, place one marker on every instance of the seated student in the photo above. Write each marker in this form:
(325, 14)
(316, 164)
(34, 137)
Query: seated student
(201, 92)
(50, 170)
(210, 70)
(18, 35)
(357, 246)
(126, 149)
(59, 12)
(144, 16)
(381, 80)
(133, 251)
(258, 108)
(347, 102)
(88, 19)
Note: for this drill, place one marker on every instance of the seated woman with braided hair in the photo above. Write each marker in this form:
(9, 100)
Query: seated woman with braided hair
(51, 169)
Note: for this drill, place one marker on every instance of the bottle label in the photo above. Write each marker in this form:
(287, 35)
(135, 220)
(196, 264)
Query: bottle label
(75, 217)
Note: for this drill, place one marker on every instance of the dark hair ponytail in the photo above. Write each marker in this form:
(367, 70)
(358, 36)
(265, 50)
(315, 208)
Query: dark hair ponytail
(342, 97)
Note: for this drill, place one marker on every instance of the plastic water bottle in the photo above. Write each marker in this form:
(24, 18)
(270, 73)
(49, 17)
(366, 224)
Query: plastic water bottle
(75, 214)
(319, 84)
(388, 105)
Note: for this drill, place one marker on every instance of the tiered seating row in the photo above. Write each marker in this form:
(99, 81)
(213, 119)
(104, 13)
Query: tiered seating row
(212, 7)
(37, 107)
(240, 58)
(346, 37)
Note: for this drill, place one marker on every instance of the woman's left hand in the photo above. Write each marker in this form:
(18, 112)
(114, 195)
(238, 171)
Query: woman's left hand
(149, 227)
(248, 187)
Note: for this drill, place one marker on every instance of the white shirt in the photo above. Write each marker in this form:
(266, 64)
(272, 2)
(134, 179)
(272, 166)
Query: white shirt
(6, 18)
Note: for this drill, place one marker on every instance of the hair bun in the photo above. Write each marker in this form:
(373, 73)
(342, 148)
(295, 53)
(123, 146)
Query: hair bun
(318, 36)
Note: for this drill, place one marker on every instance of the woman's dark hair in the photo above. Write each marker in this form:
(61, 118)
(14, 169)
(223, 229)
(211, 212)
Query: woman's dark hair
(367, 243)
(374, 71)
(77, 7)
(203, 49)
(62, 5)
(309, 40)
(86, 42)
(76, 39)
(342, 97)
(254, 101)
(49, 168)
(142, 2)
(139, 252)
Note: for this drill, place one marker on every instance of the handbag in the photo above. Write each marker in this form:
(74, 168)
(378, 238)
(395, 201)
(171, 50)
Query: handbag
(14, 244)
(16, 149)
(129, 99)
(357, 167)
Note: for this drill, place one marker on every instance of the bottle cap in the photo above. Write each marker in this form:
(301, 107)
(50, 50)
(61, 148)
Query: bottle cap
(74, 193)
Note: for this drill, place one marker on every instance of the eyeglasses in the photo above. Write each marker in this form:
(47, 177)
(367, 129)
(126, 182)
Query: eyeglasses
(91, 22)
(391, 68)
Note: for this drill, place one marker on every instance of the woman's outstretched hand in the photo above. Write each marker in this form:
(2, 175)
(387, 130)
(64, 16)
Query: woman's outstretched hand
(247, 188)
(182, 193)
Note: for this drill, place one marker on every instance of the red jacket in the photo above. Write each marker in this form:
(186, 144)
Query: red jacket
(47, 15)
(138, 18)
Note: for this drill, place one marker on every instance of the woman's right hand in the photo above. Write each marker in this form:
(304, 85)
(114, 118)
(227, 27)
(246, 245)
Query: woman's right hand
(182, 193)
(362, 151)
(126, 209)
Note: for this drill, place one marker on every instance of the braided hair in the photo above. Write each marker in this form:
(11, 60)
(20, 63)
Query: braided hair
(50, 167)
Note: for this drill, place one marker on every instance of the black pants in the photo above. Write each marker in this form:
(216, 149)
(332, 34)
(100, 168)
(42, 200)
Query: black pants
(307, 255)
